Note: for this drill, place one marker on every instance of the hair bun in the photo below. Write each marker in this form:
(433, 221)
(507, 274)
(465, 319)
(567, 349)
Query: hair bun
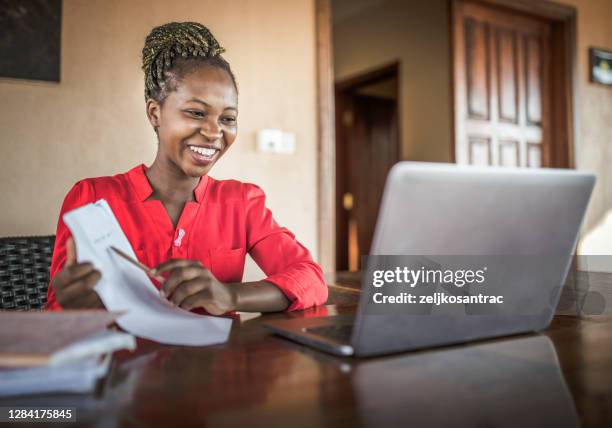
(164, 43)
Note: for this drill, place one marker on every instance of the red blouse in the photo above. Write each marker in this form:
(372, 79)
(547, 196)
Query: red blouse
(227, 219)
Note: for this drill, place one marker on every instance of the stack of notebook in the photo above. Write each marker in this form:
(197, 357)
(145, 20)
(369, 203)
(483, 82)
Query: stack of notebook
(67, 351)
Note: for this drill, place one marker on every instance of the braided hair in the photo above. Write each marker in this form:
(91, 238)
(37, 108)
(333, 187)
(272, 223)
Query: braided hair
(173, 50)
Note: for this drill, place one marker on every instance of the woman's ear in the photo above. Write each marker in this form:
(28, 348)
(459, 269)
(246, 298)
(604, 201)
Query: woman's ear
(153, 112)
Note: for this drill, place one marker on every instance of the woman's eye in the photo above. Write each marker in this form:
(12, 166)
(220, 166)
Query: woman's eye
(196, 113)
(228, 120)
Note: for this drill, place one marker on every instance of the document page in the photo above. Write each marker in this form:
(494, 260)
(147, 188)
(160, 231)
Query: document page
(124, 287)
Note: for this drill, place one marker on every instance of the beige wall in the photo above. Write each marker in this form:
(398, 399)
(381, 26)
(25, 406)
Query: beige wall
(415, 33)
(593, 107)
(93, 123)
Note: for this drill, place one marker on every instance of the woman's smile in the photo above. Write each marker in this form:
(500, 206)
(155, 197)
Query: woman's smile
(203, 155)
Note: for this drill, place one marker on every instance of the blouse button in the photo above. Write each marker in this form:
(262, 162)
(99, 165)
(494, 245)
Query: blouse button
(179, 238)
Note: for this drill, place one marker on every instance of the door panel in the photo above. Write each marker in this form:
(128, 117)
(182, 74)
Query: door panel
(373, 153)
(533, 67)
(509, 153)
(507, 79)
(479, 151)
(477, 70)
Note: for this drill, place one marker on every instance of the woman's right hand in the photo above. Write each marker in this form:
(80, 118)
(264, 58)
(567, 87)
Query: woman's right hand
(74, 285)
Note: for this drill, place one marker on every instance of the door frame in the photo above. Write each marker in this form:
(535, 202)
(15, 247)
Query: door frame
(560, 151)
(326, 141)
(565, 31)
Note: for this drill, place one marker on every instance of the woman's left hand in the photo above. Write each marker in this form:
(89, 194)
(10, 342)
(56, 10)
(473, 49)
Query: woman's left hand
(190, 285)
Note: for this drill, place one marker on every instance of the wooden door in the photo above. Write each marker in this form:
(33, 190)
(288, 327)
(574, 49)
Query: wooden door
(502, 75)
(374, 143)
(367, 146)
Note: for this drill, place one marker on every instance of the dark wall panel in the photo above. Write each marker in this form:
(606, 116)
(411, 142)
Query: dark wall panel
(30, 35)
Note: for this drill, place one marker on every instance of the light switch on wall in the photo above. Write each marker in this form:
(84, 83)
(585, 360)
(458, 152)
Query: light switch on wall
(275, 141)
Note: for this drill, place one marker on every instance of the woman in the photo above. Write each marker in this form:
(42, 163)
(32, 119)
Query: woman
(194, 229)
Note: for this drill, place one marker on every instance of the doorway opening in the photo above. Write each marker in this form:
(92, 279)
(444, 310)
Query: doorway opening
(367, 146)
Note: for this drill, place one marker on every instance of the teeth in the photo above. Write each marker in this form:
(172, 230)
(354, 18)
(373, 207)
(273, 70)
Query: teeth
(203, 151)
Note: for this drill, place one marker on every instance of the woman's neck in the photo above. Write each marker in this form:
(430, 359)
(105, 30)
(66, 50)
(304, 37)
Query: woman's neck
(170, 183)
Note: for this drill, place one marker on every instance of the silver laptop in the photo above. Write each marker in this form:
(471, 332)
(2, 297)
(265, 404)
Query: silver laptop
(520, 215)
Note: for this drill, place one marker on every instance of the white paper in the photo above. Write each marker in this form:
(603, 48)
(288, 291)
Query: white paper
(76, 376)
(97, 344)
(124, 287)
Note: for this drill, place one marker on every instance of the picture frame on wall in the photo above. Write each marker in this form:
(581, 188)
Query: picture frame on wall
(600, 66)
(30, 39)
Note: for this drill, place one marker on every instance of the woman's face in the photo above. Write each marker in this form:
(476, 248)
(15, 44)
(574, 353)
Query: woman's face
(197, 122)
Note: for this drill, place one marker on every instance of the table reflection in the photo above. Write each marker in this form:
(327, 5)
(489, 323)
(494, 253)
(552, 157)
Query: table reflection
(507, 383)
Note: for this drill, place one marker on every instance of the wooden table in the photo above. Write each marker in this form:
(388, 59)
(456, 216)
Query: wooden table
(562, 377)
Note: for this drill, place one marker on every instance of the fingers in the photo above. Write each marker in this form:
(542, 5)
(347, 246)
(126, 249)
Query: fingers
(71, 273)
(93, 301)
(205, 300)
(182, 274)
(88, 300)
(70, 252)
(78, 292)
(175, 263)
(195, 300)
(190, 290)
(80, 285)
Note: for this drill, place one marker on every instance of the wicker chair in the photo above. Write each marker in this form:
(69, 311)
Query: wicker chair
(24, 271)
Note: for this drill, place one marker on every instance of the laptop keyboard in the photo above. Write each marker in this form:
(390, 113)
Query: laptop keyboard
(338, 332)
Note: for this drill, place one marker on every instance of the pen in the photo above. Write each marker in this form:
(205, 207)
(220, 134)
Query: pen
(151, 272)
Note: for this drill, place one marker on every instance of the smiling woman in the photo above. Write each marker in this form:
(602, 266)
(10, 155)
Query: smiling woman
(194, 229)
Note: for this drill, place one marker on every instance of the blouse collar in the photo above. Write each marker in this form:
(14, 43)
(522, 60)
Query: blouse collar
(144, 190)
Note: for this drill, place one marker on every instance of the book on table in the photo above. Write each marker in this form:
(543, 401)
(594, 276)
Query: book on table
(66, 351)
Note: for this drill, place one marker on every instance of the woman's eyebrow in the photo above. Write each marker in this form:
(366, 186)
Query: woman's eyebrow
(197, 100)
